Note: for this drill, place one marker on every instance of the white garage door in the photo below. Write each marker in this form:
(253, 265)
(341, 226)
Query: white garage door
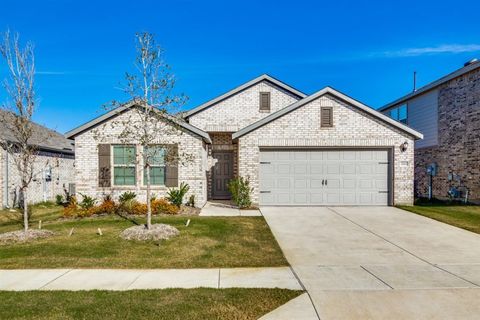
(324, 177)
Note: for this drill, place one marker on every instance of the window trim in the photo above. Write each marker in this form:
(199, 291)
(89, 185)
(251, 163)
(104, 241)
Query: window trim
(164, 166)
(261, 107)
(330, 124)
(133, 165)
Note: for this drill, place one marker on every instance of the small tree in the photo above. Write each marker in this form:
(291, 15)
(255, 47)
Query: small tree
(16, 116)
(150, 89)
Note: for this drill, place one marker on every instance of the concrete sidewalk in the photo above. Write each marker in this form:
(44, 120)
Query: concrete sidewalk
(216, 209)
(128, 279)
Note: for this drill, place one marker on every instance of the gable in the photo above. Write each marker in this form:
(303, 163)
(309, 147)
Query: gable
(299, 118)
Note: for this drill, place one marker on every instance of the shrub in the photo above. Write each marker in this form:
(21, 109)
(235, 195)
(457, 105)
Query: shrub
(87, 202)
(71, 209)
(240, 189)
(162, 206)
(107, 206)
(175, 196)
(127, 196)
(59, 199)
(191, 201)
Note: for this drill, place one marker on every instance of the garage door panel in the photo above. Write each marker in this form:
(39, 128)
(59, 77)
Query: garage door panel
(353, 177)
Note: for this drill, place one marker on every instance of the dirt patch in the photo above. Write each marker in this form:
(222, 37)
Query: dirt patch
(158, 231)
(22, 236)
(189, 211)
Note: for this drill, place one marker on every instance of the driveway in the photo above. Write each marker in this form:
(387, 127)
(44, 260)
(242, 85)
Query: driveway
(380, 262)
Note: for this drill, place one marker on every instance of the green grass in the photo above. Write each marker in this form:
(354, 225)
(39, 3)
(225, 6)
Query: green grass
(462, 216)
(201, 304)
(208, 242)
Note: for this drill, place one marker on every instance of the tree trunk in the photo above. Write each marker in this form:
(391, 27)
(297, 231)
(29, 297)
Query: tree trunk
(149, 205)
(25, 210)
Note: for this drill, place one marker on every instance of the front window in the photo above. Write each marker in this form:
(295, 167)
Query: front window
(124, 165)
(156, 158)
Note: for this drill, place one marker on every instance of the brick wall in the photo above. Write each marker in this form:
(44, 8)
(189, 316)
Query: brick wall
(242, 109)
(62, 169)
(458, 152)
(352, 128)
(191, 147)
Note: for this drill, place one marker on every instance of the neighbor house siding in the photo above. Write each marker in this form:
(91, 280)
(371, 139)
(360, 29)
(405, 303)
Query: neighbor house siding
(241, 109)
(191, 149)
(423, 116)
(351, 128)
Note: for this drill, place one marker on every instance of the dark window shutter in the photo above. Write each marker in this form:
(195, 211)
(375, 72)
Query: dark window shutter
(104, 171)
(265, 101)
(171, 167)
(326, 117)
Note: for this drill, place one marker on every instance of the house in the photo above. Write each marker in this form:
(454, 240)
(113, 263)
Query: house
(447, 112)
(53, 165)
(296, 149)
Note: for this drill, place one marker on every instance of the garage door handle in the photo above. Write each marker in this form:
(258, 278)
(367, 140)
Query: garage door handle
(383, 163)
(326, 181)
(382, 191)
(265, 191)
(262, 162)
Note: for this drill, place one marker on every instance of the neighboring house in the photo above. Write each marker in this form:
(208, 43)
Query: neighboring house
(322, 149)
(54, 166)
(447, 112)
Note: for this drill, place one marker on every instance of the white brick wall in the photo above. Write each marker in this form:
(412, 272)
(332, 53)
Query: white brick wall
(242, 109)
(86, 157)
(352, 128)
(62, 169)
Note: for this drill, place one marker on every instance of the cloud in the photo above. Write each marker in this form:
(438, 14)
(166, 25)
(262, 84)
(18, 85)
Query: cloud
(51, 73)
(441, 49)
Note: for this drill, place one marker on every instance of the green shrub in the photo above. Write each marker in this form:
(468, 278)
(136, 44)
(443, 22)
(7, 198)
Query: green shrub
(191, 201)
(127, 196)
(175, 196)
(240, 189)
(59, 199)
(87, 202)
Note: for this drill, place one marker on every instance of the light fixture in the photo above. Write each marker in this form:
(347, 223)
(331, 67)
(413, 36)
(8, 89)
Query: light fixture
(404, 146)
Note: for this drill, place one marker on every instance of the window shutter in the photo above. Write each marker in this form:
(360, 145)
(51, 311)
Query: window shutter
(326, 117)
(265, 101)
(171, 166)
(104, 171)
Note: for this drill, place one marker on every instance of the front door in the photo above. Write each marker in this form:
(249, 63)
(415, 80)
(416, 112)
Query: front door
(222, 174)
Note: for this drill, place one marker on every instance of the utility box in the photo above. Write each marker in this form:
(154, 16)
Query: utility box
(432, 169)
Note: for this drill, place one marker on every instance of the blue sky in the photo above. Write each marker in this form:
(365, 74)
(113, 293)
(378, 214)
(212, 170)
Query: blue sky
(368, 50)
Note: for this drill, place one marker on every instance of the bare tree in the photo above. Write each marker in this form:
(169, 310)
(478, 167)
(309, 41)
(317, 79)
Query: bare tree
(150, 89)
(18, 111)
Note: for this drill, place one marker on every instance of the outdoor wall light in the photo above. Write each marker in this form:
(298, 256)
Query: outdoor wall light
(404, 146)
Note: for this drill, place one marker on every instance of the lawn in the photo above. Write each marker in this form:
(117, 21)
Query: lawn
(207, 242)
(462, 216)
(143, 304)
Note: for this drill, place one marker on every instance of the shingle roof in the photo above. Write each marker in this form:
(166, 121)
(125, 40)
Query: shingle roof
(337, 94)
(432, 85)
(42, 137)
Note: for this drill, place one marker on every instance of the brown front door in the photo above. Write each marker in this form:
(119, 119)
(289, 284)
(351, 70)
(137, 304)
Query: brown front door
(222, 173)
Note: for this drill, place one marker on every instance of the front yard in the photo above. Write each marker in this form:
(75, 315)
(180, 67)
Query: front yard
(241, 304)
(208, 242)
(463, 216)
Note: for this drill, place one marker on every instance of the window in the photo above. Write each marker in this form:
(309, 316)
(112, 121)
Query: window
(264, 101)
(124, 165)
(156, 157)
(400, 113)
(326, 117)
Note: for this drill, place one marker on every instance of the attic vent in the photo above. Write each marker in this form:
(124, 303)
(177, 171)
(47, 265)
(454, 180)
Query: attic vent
(474, 60)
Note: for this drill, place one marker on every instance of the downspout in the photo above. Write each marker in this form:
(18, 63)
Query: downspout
(5, 182)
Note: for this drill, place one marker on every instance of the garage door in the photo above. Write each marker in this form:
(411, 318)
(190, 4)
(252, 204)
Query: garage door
(324, 177)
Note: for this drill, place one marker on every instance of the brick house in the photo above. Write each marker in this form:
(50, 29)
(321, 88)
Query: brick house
(54, 166)
(321, 149)
(447, 112)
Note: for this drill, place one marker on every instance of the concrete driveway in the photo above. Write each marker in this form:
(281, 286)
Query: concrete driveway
(380, 262)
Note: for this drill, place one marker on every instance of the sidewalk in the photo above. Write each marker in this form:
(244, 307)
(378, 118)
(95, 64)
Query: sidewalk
(129, 279)
(218, 209)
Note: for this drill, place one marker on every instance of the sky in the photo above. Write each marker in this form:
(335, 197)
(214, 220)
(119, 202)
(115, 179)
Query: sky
(366, 49)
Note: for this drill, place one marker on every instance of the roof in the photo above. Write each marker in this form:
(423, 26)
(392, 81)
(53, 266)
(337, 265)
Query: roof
(43, 138)
(335, 93)
(114, 112)
(433, 85)
(263, 77)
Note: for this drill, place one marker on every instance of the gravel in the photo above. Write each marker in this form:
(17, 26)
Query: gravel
(157, 232)
(21, 236)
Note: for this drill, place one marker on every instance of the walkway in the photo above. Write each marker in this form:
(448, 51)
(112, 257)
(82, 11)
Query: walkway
(128, 279)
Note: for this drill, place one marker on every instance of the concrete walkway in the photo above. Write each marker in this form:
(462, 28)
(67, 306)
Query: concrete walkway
(127, 279)
(380, 262)
(215, 209)
(300, 308)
